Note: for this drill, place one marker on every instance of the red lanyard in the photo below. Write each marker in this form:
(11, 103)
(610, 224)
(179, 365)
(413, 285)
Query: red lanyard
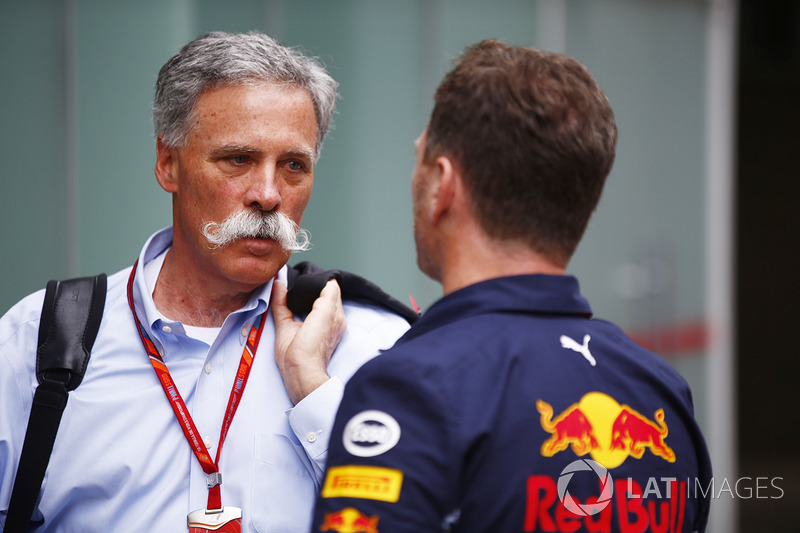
(211, 468)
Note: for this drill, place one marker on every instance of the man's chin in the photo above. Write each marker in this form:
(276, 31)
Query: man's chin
(254, 269)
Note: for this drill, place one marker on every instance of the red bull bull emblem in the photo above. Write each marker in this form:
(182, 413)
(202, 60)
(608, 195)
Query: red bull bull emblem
(606, 430)
(633, 432)
(350, 520)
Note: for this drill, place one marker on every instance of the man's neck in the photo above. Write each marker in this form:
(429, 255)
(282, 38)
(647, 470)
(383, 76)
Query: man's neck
(195, 300)
(480, 258)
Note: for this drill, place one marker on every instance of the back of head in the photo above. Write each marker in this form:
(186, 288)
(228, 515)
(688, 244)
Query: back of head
(218, 59)
(534, 138)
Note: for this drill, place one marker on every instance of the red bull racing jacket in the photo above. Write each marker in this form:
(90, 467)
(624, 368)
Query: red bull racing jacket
(508, 408)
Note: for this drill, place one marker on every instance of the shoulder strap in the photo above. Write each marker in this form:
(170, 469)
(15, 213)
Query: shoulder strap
(306, 281)
(71, 317)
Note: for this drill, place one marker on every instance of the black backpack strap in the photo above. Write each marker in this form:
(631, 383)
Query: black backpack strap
(306, 281)
(70, 320)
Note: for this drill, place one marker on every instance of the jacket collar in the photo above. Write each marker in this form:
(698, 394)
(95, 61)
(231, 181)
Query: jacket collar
(534, 293)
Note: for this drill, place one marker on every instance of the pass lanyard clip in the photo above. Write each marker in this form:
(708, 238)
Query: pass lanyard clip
(210, 467)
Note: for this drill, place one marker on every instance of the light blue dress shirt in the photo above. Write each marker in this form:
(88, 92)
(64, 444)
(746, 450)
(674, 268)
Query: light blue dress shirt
(121, 461)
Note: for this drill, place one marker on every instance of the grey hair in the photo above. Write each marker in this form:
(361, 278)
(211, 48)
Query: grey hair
(219, 58)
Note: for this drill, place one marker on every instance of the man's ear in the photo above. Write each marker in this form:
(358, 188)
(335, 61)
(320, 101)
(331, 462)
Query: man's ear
(166, 166)
(445, 188)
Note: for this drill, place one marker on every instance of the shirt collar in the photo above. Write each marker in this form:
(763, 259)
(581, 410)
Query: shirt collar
(143, 299)
(534, 293)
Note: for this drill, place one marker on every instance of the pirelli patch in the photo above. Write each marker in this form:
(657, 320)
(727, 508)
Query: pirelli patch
(365, 482)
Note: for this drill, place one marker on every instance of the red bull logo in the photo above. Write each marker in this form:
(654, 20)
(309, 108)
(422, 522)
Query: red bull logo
(606, 430)
(350, 520)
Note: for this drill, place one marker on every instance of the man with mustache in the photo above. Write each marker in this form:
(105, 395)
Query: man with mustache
(192, 413)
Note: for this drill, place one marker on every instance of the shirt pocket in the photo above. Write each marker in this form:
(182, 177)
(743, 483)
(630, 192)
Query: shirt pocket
(284, 489)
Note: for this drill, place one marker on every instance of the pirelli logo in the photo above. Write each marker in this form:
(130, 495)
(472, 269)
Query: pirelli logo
(365, 482)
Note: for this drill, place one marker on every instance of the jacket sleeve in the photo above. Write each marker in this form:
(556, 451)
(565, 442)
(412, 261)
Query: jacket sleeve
(388, 463)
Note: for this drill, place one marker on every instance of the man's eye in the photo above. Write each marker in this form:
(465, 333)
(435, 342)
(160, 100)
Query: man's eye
(295, 165)
(238, 159)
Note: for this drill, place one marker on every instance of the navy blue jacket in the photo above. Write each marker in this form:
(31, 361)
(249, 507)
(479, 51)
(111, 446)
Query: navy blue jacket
(508, 408)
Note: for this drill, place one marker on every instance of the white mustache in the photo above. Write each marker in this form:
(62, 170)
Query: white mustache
(258, 225)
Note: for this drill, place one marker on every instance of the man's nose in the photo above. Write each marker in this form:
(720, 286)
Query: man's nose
(262, 191)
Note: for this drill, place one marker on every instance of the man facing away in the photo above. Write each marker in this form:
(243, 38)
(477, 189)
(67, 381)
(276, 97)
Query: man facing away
(506, 407)
(239, 121)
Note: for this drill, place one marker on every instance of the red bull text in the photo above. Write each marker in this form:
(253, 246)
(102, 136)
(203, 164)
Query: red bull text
(627, 511)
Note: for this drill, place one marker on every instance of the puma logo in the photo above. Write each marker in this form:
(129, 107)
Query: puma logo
(582, 349)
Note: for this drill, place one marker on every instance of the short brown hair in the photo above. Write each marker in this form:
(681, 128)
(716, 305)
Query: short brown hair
(534, 137)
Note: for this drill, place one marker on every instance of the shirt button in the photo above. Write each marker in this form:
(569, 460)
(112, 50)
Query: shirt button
(244, 331)
(208, 442)
(208, 368)
(166, 329)
(311, 437)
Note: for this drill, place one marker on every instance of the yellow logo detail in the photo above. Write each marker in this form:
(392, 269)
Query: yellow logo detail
(366, 482)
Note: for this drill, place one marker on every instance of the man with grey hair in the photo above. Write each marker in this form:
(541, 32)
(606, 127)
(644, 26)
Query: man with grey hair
(188, 380)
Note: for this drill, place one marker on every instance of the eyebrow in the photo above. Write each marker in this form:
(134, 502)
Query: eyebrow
(233, 149)
(243, 149)
(307, 154)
